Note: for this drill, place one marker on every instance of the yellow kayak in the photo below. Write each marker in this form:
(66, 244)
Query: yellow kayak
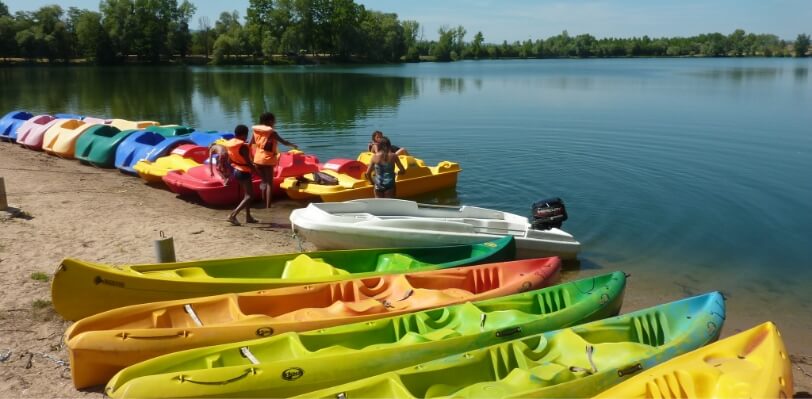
(418, 179)
(751, 364)
(153, 172)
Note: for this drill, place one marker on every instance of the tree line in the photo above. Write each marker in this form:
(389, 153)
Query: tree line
(156, 31)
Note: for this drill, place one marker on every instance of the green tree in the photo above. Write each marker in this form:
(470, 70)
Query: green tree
(8, 40)
(202, 39)
(737, 42)
(258, 20)
(476, 45)
(179, 37)
(92, 39)
(410, 32)
(120, 25)
(801, 45)
(4, 10)
(445, 44)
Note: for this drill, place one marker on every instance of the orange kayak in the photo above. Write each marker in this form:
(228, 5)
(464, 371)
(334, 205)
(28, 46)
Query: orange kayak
(103, 344)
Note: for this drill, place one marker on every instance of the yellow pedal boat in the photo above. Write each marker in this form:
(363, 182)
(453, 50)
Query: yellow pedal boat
(418, 179)
(751, 364)
(154, 172)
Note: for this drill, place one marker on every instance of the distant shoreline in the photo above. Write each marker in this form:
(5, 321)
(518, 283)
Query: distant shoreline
(281, 60)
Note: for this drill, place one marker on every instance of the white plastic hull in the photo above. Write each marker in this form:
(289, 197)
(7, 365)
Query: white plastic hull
(328, 232)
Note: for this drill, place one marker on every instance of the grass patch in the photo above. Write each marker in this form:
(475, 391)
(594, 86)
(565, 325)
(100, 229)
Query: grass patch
(40, 304)
(39, 276)
(41, 310)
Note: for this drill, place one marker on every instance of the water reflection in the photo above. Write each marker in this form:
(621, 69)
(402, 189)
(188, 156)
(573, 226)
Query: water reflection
(742, 74)
(323, 100)
(203, 97)
(448, 85)
(160, 94)
(801, 74)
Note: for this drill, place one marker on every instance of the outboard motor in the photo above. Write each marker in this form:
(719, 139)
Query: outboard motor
(549, 213)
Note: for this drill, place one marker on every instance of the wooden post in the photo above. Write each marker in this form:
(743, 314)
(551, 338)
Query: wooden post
(3, 200)
(165, 249)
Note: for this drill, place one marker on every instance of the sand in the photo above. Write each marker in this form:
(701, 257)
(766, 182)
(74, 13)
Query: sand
(61, 208)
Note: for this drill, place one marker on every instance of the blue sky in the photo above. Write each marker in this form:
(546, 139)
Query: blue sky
(522, 19)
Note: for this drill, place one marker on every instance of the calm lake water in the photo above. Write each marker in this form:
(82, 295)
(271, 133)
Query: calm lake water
(691, 174)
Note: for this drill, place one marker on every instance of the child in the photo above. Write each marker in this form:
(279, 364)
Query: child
(383, 162)
(373, 145)
(240, 159)
(265, 143)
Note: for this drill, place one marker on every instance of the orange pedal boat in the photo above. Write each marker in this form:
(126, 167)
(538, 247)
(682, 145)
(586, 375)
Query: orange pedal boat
(105, 343)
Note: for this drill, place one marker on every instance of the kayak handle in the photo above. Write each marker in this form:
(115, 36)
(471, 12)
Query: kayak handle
(629, 370)
(179, 334)
(508, 332)
(246, 373)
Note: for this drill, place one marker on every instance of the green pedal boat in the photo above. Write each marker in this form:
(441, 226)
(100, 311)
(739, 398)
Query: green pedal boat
(82, 289)
(296, 363)
(576, 362)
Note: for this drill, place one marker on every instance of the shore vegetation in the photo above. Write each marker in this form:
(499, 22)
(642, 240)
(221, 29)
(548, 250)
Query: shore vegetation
(314, 31)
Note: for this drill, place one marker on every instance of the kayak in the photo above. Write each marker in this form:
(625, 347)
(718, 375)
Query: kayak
(60, 139)
(337, 355)
(11, 122)
(417, 179)
(576, 362)
(389, 222)
(98, 146)
(80, 289)
(102, 344)
(750, 364)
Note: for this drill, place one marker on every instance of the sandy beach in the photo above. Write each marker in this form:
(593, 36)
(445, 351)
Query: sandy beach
(61, 208)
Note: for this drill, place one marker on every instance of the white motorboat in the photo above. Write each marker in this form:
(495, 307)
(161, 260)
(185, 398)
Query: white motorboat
(386, 223)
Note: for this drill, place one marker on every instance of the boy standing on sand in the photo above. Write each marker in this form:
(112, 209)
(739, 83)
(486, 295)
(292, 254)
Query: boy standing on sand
(240, 158)
(265, 146)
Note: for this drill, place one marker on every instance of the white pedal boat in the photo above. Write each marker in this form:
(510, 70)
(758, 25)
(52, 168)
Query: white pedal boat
(386, 223)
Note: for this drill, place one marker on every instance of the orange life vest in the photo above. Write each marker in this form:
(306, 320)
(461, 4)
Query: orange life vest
(235, 157)
(265, 146)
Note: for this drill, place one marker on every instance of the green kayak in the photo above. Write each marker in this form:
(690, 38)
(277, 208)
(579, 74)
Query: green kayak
(577, 362)
(336, 355)
(81, 289)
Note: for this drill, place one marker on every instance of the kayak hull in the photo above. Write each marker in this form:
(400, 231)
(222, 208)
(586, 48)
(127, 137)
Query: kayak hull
(334, 356)
(139, 332)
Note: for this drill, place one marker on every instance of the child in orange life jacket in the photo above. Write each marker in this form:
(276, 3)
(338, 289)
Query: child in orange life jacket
(240, 159)
(265, 146)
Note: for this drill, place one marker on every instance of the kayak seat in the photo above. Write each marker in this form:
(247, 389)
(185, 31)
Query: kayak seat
(397, 262)
(304, 266)
(192, 272)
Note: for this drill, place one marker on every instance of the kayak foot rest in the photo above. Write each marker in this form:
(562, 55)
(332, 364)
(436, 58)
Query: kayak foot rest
(397, 262)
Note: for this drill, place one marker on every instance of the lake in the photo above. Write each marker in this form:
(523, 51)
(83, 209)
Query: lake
(690, 174)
